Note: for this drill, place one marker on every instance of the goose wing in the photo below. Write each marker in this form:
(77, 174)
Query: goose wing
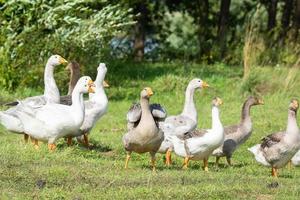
(195, 133)
(66, 100)
(272, 139)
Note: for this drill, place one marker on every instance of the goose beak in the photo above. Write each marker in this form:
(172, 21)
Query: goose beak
(220, 102)
(91, 87)
(63, 61)
(149, 92)
(261, 102)
(295, 104)
(105, 84)
(204, 85)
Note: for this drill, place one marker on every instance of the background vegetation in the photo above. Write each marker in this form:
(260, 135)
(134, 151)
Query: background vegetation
(239, 47)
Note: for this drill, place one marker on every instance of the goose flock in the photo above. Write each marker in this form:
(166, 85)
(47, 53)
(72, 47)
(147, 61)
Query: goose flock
(49, 117)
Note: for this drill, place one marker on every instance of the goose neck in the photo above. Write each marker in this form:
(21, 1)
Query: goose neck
(189, 104)
(216, 122)
(292, 122)
(51, 91)
(245, 116)
(146, 113)
(99, 79)
(78, 105)
(74, 77)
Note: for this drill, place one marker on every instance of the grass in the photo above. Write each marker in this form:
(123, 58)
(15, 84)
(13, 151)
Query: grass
(77, 173)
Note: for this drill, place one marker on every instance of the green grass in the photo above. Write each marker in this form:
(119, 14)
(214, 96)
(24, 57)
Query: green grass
(77, 173)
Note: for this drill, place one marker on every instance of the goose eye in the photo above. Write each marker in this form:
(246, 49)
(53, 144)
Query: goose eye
(199, 81)
(85, 85)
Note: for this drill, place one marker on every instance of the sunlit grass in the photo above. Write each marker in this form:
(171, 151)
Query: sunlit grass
(77, 173)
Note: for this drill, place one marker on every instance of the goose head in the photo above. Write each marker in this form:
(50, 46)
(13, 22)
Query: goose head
(197, 83)
(86, 85)
(216, 102)
(55, 60)
(294, 105)
(74, 67)
(102, 69)
(146, 93)
(255, 101)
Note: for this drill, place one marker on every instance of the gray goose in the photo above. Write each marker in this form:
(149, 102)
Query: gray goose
(235, 135)
(146, 135)
(277, 149)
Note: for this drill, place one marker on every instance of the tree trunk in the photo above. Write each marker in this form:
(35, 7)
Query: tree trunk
(203, 32)
(272, 10)
(286, 14)
(296, 23)
(139, 32)
(223, 23)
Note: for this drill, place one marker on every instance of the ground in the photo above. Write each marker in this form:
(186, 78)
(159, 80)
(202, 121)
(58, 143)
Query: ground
(79, 173)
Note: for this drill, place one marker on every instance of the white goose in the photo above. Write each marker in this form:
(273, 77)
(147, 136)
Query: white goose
(183, 123)
(199, 144)
(53, 121)
(51, 95)
(95, 107)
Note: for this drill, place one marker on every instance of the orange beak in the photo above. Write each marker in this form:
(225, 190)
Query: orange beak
(204, 84)
(91, 87)
(105, 84)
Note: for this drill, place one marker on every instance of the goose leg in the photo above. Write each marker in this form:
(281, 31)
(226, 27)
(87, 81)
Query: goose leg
(186, 162)
(274, 172)
(36, 144)
(127, 159)
(168, 157)
(228, 159)
(26, 137)
(69, 141)
(86, 140)
(217, 161)
(290, 165)
(205, 162)
(153, 159)
(51, 147)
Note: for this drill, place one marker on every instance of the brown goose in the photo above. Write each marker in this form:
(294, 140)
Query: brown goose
(74, 68)
(146, 136)
(236, 135)
(277, 149)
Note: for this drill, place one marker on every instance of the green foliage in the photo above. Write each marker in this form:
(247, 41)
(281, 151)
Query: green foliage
(33, 30)
(182, 34)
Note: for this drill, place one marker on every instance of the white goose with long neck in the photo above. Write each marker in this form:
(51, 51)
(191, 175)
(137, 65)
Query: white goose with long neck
(51, 92)
(189, 108)
(78, 105)
(99, 95)
(216, 122)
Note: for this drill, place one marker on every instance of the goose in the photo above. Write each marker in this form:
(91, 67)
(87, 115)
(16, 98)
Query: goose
(53, 121)
(146, 136)
(95, 107)
(51, 95)
(51, 92)
(199, 144)
(236, 135)
(184, 122)
(277, 149)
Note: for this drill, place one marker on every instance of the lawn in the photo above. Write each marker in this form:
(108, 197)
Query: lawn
(78, 173)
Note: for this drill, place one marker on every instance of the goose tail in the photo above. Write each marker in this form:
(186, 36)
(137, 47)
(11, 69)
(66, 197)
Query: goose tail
(258, 154)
